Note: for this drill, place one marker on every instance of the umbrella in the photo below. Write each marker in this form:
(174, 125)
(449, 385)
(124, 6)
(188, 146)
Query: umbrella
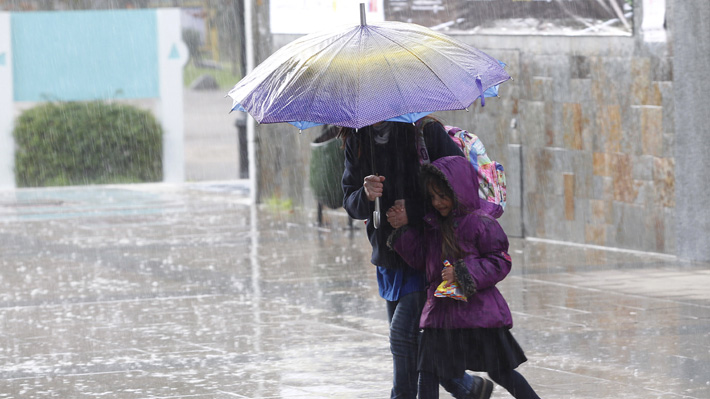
(355, 76)
(358, 75)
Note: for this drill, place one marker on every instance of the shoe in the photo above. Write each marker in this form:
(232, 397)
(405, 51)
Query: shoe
(482, 388)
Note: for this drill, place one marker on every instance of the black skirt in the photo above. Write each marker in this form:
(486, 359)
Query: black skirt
(448, 353)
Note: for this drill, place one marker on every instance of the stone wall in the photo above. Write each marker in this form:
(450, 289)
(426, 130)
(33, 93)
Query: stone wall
(586, 131)
(592, 119)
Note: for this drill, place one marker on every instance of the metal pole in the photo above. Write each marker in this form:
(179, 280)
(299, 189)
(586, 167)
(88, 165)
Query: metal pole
(251, 145)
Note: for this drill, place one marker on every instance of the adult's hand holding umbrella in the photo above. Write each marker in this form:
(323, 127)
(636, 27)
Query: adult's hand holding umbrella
(374, 187)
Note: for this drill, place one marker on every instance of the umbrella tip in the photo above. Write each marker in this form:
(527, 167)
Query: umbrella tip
(362, 14)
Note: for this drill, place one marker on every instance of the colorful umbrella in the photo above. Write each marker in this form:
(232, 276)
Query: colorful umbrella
(359, 75)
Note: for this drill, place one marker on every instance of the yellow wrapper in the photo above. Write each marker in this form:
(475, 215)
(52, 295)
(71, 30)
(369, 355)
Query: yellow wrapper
(446, 290)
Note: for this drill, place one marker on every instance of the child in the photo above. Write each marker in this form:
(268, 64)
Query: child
(462, 335)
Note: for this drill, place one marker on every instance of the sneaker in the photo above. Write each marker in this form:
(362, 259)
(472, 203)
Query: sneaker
(482, 388)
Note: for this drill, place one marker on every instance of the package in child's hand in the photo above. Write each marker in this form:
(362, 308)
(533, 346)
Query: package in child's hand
(446, 290)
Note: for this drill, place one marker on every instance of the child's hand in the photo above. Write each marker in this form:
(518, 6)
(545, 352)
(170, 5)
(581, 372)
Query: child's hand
(448, 275)
(449, 287)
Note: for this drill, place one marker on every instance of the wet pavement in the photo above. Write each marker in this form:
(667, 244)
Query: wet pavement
(187, 291)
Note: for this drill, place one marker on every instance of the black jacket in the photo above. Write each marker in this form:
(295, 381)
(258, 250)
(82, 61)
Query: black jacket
(398, 162)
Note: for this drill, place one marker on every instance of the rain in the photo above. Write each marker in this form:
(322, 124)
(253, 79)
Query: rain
(154, 244)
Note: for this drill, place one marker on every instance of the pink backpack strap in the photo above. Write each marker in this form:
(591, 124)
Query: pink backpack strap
(452, 130)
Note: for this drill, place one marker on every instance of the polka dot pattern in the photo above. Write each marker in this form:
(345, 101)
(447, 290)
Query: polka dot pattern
(359, 75)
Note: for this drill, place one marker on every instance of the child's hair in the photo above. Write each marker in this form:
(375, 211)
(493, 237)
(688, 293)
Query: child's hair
(434, 178)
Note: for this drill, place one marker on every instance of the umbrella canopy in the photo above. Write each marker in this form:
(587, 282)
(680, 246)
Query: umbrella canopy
(359, 75)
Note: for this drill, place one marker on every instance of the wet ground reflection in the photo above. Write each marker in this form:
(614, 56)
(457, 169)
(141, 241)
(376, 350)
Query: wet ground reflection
(152, 291)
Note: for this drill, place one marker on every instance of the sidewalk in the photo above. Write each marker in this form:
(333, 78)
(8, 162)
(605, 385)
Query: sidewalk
(211, 142)
(185, 291)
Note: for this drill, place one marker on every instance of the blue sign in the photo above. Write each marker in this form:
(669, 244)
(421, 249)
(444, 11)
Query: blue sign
(85, 55)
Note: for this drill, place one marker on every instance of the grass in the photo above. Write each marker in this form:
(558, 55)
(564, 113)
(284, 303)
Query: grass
(225, 79)
(277, 204)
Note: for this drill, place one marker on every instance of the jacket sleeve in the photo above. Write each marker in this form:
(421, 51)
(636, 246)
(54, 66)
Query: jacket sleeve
(492, 265)
(409, 243)
(355, 200)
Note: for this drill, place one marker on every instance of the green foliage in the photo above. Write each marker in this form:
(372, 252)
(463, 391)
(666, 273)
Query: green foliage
(77, 143)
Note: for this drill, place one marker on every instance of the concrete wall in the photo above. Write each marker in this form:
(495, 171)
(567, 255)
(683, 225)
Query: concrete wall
(587, 133)
(691, 30)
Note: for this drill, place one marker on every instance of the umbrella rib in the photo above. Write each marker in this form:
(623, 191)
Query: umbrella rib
(357, 91)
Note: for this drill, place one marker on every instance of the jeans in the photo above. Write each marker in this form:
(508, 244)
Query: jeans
(457, 387)
(404, 317)
(428, 385)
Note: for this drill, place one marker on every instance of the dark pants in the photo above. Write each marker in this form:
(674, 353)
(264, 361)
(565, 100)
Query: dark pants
(511, 380)
(404, 331)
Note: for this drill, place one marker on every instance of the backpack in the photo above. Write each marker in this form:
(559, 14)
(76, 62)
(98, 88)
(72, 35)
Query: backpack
(491, 176)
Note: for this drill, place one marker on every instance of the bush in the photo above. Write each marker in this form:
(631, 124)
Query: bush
(79, 143)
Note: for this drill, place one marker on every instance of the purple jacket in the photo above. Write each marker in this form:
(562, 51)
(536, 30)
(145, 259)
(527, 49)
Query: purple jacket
(487, 261)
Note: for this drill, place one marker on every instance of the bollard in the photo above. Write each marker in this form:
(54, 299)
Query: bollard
(241, 124)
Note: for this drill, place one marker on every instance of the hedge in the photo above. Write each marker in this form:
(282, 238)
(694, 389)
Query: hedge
(76, 143)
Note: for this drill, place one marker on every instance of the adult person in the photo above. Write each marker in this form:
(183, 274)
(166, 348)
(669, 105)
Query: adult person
(381, 161)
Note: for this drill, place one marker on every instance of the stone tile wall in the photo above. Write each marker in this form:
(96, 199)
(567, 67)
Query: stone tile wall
(593, 118)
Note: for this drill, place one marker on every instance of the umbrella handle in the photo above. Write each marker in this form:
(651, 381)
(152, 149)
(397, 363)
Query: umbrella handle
(376, 214)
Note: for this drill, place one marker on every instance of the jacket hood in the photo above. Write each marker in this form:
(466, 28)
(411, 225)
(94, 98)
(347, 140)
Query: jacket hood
(461, 176)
